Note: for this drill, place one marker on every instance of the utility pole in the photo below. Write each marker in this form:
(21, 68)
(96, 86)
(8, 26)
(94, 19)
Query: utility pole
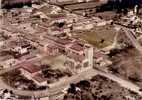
(1, 13)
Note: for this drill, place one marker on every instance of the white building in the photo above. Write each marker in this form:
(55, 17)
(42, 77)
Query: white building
(20, 50)
(83, 26)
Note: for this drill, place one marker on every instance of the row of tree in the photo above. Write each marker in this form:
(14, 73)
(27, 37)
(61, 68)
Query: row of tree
(119, 5)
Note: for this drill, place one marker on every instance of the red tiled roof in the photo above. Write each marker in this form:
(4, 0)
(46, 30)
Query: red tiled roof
(79, 58)
(31, 68)
(77, 47)
(39, 78)
(63, 41)
(52, 46)
(98, 54)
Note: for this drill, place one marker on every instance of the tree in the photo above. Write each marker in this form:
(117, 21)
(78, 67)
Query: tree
(135, 77)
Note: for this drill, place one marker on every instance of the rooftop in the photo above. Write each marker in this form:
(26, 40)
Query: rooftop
(31, 68)
(39, 78)
(77, 47)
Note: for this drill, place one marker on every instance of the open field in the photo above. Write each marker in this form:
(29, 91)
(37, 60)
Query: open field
(99, 37)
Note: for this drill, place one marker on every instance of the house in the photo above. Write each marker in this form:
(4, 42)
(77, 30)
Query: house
(101, 59)
(20, 50)
(83, 26)
(29, 69)
(51, 50)
(80, 57)
(39, 79)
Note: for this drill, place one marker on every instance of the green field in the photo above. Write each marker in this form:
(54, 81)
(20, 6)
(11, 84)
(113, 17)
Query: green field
(99, 37)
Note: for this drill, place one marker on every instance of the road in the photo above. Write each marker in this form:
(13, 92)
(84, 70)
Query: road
(124, 83)
(130, 34)
(134, 41)
(55, 89)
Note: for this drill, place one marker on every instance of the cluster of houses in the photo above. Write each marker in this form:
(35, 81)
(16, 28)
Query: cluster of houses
(79, 54)
(79, 57)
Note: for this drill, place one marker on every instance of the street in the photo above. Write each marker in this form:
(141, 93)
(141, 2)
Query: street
(55, 89)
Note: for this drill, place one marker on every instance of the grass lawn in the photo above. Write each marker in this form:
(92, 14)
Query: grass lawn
(93, 39)
(99, 37)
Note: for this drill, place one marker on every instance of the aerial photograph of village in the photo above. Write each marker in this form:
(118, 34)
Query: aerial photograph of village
(70, 49)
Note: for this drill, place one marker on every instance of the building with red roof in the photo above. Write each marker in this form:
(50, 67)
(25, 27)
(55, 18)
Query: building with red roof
(29, 69)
